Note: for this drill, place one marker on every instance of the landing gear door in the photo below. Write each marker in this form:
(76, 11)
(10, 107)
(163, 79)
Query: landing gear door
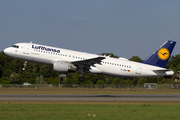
(138, 69)
(26, 49)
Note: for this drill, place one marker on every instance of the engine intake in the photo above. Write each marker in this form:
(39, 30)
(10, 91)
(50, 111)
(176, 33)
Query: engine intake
(64, 67)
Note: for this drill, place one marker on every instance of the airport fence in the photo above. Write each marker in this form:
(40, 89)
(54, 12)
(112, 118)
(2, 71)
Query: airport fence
(115, 86)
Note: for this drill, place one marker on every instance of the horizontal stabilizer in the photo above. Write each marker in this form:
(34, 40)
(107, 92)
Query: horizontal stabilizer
(162, 72)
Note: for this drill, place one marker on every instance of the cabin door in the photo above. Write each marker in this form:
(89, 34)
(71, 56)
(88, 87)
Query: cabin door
(138, 69)
(26, 49)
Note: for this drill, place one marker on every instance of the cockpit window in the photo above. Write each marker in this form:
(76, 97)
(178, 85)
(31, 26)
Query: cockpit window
(15, 46)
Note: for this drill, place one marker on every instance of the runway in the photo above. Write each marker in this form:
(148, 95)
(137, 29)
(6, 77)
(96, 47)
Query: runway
(93, 97)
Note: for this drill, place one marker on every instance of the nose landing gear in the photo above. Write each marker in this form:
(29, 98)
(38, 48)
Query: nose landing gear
(25, 64)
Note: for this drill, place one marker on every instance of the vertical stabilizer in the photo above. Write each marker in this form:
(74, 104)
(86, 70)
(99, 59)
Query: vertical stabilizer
(161, 56)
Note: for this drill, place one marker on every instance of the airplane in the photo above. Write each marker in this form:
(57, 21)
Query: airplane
(64, 61)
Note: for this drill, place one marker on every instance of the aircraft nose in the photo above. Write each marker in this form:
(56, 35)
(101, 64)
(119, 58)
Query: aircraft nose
(6, 51)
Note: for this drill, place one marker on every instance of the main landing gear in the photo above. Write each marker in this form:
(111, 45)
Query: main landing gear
(81, 78)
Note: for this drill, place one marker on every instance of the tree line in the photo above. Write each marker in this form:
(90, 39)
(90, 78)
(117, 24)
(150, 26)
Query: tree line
(11, 73)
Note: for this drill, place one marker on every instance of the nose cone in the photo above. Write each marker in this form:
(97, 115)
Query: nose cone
(7, 51)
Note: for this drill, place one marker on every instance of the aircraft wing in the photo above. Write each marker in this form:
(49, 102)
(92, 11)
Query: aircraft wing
(88, 62)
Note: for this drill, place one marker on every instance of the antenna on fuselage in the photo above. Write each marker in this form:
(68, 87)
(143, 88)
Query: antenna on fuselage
(31, 42)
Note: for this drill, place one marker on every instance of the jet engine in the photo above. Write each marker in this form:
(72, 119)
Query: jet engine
(64, 67)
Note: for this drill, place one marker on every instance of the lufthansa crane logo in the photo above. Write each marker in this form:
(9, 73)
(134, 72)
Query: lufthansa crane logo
(163, 53)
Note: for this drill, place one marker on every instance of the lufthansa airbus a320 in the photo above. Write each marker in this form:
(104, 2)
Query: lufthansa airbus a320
(64, 60)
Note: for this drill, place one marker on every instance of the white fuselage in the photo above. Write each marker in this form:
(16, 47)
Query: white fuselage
(108, 66)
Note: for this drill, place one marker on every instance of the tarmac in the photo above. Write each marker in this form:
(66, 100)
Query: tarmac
(93, 97)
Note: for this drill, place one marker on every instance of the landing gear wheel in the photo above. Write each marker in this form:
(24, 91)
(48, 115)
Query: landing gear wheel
(81, 78)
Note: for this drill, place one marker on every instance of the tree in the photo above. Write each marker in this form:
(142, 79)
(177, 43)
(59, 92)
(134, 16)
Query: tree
(1, 71)
(73, 78)
(175, 63)
(109, 54)
(47, 71)
(99, 82)
(40, 80)
(135, 58)
(114, 81)
(15, 78)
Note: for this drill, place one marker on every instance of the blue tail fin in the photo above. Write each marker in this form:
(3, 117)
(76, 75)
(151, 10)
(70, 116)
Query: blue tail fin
(161, 56)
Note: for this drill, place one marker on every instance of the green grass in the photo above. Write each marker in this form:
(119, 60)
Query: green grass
(85, 91)
(89, 111)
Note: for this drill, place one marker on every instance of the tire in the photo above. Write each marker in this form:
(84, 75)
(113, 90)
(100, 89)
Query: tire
(81, 78)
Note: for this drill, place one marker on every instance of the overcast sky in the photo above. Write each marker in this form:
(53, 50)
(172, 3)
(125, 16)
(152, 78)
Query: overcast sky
(123, 27)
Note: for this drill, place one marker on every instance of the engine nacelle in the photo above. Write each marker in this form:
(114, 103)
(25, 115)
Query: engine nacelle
(63, 67)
